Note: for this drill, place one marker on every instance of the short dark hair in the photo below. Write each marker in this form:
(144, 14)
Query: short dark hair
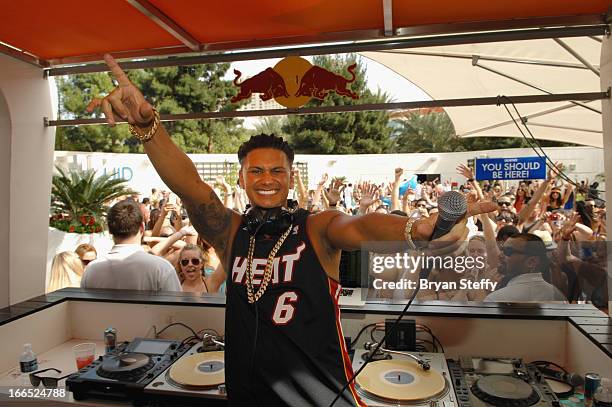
(506, 232)
(535, 247)
(265, 141)
(124, 219)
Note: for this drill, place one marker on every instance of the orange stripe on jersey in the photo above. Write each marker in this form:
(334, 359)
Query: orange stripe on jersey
(334, 292)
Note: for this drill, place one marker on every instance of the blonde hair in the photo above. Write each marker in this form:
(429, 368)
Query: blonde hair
(65, 265)
(85, 248)
(190, 246)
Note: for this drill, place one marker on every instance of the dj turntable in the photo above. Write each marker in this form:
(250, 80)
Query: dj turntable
(483, 382)
(398, 379)
(195, 375)
(127, 370)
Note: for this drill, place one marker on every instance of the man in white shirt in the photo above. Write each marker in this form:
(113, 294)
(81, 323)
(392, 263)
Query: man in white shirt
(127, 266)
(524, 260)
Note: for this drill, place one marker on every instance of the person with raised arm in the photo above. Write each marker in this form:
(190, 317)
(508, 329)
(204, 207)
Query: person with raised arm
(284, 342)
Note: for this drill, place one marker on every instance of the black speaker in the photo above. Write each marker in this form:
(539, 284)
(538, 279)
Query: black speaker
(403, 338)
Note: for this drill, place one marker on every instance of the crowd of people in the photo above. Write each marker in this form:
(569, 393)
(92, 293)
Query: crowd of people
(560, 225)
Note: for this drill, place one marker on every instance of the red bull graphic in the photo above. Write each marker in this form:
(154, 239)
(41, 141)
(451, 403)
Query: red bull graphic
(317, 82)
(293, 82)
(269, 83)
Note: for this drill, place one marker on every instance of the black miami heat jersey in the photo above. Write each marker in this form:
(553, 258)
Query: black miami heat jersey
(288, 347)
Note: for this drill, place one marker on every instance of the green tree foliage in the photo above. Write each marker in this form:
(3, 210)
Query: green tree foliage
(342, 133)
(182, 89)
(271, 125)
(79, 197)
(433, 132)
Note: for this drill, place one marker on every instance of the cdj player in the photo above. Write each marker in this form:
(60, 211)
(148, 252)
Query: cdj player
(127, 370)
(481, 381)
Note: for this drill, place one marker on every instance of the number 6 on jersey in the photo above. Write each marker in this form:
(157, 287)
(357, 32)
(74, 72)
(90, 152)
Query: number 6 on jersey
(284, 308)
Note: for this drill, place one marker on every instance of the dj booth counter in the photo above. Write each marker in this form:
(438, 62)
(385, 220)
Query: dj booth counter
(576, 336)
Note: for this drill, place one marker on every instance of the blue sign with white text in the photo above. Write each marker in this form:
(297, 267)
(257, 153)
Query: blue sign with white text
(510, 168)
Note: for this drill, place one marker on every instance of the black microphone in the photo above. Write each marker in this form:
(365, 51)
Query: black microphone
(452, 206)
(572, 378)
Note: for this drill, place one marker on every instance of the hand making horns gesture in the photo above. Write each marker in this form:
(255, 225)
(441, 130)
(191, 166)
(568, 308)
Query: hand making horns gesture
(125, 102)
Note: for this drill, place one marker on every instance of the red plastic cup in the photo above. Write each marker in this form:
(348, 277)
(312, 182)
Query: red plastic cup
(84, 354)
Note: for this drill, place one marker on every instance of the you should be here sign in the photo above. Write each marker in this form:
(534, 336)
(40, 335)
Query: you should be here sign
(510, 168)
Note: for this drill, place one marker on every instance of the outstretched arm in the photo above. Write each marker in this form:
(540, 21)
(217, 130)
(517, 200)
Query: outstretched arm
(207, 213)
(523, 215)
(395, 199)
(350, 232)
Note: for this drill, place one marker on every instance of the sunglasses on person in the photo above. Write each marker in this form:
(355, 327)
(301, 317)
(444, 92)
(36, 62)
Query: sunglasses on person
(86, 262)
(46, 381)
(503, 203)
(421, 206)
(185, 262)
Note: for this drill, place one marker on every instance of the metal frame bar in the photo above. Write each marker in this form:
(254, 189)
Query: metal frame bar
(482, 101)
(552, 126)
(170, 26)
(388, 17)
(523, 82)
(526, 117)
(23, 56)
(538, 62)
(576, 55)
(388, 44)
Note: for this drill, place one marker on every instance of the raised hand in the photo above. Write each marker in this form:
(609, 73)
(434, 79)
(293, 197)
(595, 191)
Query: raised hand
(369, 194)
(223, 183)
(569, 227)
(553, 172)
(335, 192)
(324, 179)
(124, 102)
(465, 171)
(398, 174)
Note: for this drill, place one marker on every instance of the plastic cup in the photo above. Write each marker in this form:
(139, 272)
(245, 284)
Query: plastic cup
(84, 353)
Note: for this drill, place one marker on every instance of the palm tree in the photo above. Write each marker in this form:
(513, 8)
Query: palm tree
(431, 132)
(79, 197)
(271, 125)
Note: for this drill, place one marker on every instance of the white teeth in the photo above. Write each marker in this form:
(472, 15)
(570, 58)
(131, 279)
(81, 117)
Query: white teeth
(272, 192)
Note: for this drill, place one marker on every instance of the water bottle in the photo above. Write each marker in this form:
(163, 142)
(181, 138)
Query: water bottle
(28, 362)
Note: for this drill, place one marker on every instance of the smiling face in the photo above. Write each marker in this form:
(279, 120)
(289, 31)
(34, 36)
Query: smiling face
(266, 177)
(191, 271)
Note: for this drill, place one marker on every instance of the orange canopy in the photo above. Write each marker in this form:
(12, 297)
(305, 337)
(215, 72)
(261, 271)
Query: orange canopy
(51, 33)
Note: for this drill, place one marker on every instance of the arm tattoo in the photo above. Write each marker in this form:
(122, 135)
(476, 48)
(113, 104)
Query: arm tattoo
(212, 220)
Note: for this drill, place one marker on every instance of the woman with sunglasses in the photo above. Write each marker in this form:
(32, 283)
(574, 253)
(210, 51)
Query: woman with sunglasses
(191, 270)
(87, 253)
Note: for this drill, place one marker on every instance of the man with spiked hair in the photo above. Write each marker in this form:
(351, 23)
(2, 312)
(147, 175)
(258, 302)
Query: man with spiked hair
(284, 342)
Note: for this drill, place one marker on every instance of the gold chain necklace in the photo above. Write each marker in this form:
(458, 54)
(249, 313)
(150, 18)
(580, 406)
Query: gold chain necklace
(267, 271)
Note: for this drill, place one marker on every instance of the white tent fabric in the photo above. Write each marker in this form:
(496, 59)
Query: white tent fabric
(448, 72)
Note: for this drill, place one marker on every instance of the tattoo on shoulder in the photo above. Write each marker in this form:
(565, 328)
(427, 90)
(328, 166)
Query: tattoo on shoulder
(212, 220)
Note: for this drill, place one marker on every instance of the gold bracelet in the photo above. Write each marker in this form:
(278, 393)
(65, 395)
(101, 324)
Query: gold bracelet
(408, 234)
(149, 134)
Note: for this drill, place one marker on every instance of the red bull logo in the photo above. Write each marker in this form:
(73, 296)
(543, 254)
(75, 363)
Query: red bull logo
(293, 82)
(269, 83)
(317, 82)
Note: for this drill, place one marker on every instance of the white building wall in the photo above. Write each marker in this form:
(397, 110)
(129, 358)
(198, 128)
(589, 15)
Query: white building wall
(581, 163)
(29, 98)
